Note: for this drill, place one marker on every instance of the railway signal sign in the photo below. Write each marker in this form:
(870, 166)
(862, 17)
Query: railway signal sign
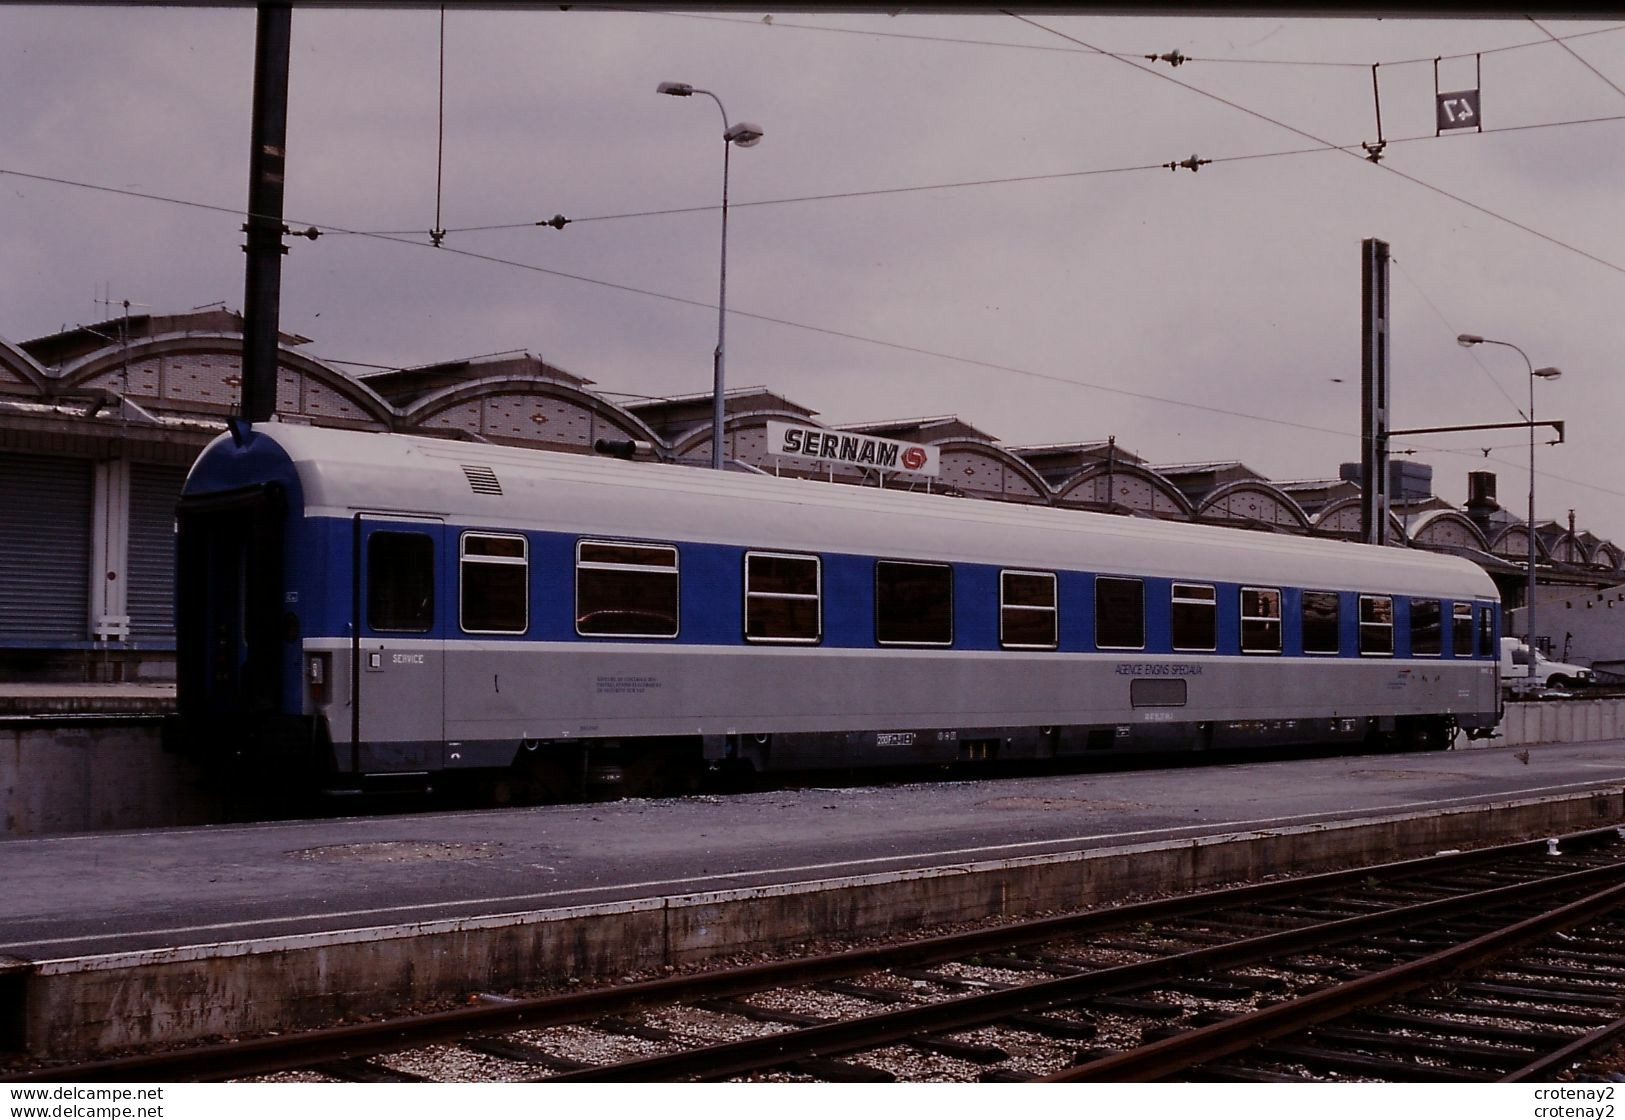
(1457, 110)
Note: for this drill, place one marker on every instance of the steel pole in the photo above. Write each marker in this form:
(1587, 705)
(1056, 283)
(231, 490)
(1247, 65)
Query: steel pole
(1529, 606)
(719, 380)
(718, 376)
(262, 286)
(745, 135)
(1529, 526)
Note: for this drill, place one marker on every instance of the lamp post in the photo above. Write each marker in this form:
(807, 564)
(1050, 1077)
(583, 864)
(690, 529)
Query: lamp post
(1548, 373)
(745, 135)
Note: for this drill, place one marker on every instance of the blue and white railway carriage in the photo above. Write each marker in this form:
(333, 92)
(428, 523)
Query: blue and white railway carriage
(382, 604)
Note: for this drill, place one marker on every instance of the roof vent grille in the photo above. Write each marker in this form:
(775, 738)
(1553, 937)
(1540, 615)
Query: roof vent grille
(483, 480)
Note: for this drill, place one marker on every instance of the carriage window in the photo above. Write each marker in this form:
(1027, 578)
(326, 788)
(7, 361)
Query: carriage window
(495, 584)
(1427, 628)
(1195, 617)
(1486, 632)
(1119, 613)
(914, 604)
(1320, 627)
(1260, 620)
(1376, 625)
(626, 590)
(1027, 616)
(400, 581)
(1461, 630)
(782, 598)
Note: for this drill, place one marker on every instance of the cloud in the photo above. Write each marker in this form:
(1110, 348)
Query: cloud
(1234, 289)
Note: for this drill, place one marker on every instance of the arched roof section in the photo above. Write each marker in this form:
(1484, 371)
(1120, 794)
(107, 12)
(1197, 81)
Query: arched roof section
(1608, 556)
(1251, 503)
(1125, 486)
(309, 388)
(202, 374)
(527, 412)
(1512, 543)
(745, 434)
(978, 468)
(1567, 549)
(1447, 528)
(20, 373)
(1343, 518)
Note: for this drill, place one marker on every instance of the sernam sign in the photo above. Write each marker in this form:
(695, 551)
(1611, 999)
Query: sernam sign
(851, 448)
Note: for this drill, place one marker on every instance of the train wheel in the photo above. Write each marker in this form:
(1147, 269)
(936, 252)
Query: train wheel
(1429, 735)
(544, 773)
(660, 767)
(730, 776)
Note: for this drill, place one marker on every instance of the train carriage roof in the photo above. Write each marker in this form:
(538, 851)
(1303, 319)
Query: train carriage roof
(342, 473)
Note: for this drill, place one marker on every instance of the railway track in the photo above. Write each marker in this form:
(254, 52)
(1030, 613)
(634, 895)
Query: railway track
(1500, 964)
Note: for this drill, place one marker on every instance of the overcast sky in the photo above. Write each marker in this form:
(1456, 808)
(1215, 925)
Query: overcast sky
(1006, 247)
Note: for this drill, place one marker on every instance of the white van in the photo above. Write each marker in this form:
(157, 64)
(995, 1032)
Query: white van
(1548, 673)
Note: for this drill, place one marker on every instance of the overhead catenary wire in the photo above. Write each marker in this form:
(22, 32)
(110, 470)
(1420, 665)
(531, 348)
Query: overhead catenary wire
(1385, 167)
(400, 238)
(333, 230)
(775, 320)
(1606, 79)
(1424, 184)
(1452, 330)
(777, 24)
(828, 331)
(559, 221)
(1253, 417)
(1321, 146)
(1055, 176)
(1477, 454)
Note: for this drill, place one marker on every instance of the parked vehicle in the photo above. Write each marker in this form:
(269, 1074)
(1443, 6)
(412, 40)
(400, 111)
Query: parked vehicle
(1548, 673)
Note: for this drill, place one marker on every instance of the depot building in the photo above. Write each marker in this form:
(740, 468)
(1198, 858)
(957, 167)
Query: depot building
(99, 424)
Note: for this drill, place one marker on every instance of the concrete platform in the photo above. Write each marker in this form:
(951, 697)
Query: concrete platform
(76, 757)
(44, 700)
(92, 757)
(117, 938)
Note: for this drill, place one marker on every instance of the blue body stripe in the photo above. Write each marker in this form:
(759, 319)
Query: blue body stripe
(711, 597)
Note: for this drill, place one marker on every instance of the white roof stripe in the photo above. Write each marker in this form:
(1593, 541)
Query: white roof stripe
(343, 472)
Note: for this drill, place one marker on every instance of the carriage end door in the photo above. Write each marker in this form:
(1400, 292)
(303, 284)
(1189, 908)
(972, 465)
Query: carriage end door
(398, 653)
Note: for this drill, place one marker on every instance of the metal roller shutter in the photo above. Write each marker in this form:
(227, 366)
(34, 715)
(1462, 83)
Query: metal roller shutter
(45, 505)
(154, 490)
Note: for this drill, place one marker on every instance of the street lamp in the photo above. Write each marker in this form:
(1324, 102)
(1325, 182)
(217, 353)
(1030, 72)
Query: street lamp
(745, 135)
(1548, 373)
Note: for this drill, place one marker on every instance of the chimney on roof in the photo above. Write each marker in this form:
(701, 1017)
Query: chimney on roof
(1481, 501)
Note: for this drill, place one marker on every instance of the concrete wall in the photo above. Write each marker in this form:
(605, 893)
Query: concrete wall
(85, 773)
(1562, 721)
